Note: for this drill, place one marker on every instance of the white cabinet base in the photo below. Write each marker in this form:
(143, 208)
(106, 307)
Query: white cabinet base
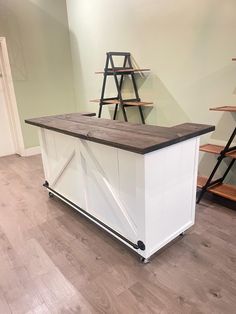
(148, 198)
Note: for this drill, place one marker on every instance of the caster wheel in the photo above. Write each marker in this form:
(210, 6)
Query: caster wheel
(182, 234)
(50, 194)
(144, 260)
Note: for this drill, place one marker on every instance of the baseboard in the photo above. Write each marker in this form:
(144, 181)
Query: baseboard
(31, 151)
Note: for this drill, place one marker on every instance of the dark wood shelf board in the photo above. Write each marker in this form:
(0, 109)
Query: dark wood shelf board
(225, 108)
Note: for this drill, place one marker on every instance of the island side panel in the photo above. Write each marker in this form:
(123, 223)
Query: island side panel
(132, 191)
(170, 192)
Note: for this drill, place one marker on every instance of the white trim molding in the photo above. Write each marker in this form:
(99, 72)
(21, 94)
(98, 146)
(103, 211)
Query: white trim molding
(9, 92)
(31, 151)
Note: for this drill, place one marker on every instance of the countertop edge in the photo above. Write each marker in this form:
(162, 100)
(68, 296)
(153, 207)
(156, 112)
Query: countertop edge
(123, 146)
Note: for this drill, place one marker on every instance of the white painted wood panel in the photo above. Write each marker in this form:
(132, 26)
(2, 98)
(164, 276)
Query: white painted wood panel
(132, 189)
(63, 166)
(147, 197)
(101, 180)
(170, 189)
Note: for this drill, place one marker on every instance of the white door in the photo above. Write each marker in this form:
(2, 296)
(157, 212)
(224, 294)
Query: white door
(6, 139)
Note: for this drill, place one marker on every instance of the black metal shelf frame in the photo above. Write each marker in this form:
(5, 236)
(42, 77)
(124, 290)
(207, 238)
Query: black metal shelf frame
(111, 69)
(223, 154)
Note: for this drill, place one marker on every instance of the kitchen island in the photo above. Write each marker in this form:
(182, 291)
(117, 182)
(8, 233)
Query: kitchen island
(138, 182)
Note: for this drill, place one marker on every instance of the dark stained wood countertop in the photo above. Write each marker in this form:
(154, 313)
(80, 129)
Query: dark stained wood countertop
(137, 138)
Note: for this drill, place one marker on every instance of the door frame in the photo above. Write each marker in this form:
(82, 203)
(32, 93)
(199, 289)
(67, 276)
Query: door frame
(10, 99)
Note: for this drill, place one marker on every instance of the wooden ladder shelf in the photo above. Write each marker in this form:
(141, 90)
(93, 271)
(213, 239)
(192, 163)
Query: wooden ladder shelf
(118, 74)
(218, 186)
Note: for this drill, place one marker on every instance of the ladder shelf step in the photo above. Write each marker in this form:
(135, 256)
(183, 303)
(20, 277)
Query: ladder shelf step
(121, 71)
(201, 181)
(231, 154)
(210, 148)
(225, 108)
(128, 102)
(216, 149)
(225, 190)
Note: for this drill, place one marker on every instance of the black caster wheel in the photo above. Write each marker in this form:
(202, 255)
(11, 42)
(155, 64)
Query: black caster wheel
(144, 260)
(50, 194)
(182, 234)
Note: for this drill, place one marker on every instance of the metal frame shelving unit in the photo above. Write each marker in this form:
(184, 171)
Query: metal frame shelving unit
(118, 74)
(217, 186)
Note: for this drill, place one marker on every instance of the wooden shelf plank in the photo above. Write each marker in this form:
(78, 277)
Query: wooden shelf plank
(216, 149)
(111, 101)
(225, 108)
(210, 148)
(124, 71)
(225, 190)
(231, 154)
(130, 103)
(138, 103)
(201, 181)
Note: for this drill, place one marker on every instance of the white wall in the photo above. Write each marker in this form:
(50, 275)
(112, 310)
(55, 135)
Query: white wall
(38, 43)
(187, 44)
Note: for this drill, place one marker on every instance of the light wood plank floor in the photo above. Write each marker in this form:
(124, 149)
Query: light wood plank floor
(52, 260)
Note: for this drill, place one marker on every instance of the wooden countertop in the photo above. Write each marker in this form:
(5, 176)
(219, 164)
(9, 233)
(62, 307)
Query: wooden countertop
(137, 138)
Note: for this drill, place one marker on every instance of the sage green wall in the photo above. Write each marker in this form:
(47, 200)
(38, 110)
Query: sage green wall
(39, 49)
(187, 44)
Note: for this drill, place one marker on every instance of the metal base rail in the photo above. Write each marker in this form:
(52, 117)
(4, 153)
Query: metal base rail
(139, 245)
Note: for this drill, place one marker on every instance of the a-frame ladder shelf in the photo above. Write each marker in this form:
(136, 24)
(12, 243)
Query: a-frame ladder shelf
(119, 73)
(217, 186)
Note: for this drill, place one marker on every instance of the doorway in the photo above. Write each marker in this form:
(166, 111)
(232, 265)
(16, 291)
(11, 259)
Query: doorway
(6, 136)
(11, 140)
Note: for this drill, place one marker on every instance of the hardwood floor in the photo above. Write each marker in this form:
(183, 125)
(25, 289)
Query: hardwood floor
(52, 260)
